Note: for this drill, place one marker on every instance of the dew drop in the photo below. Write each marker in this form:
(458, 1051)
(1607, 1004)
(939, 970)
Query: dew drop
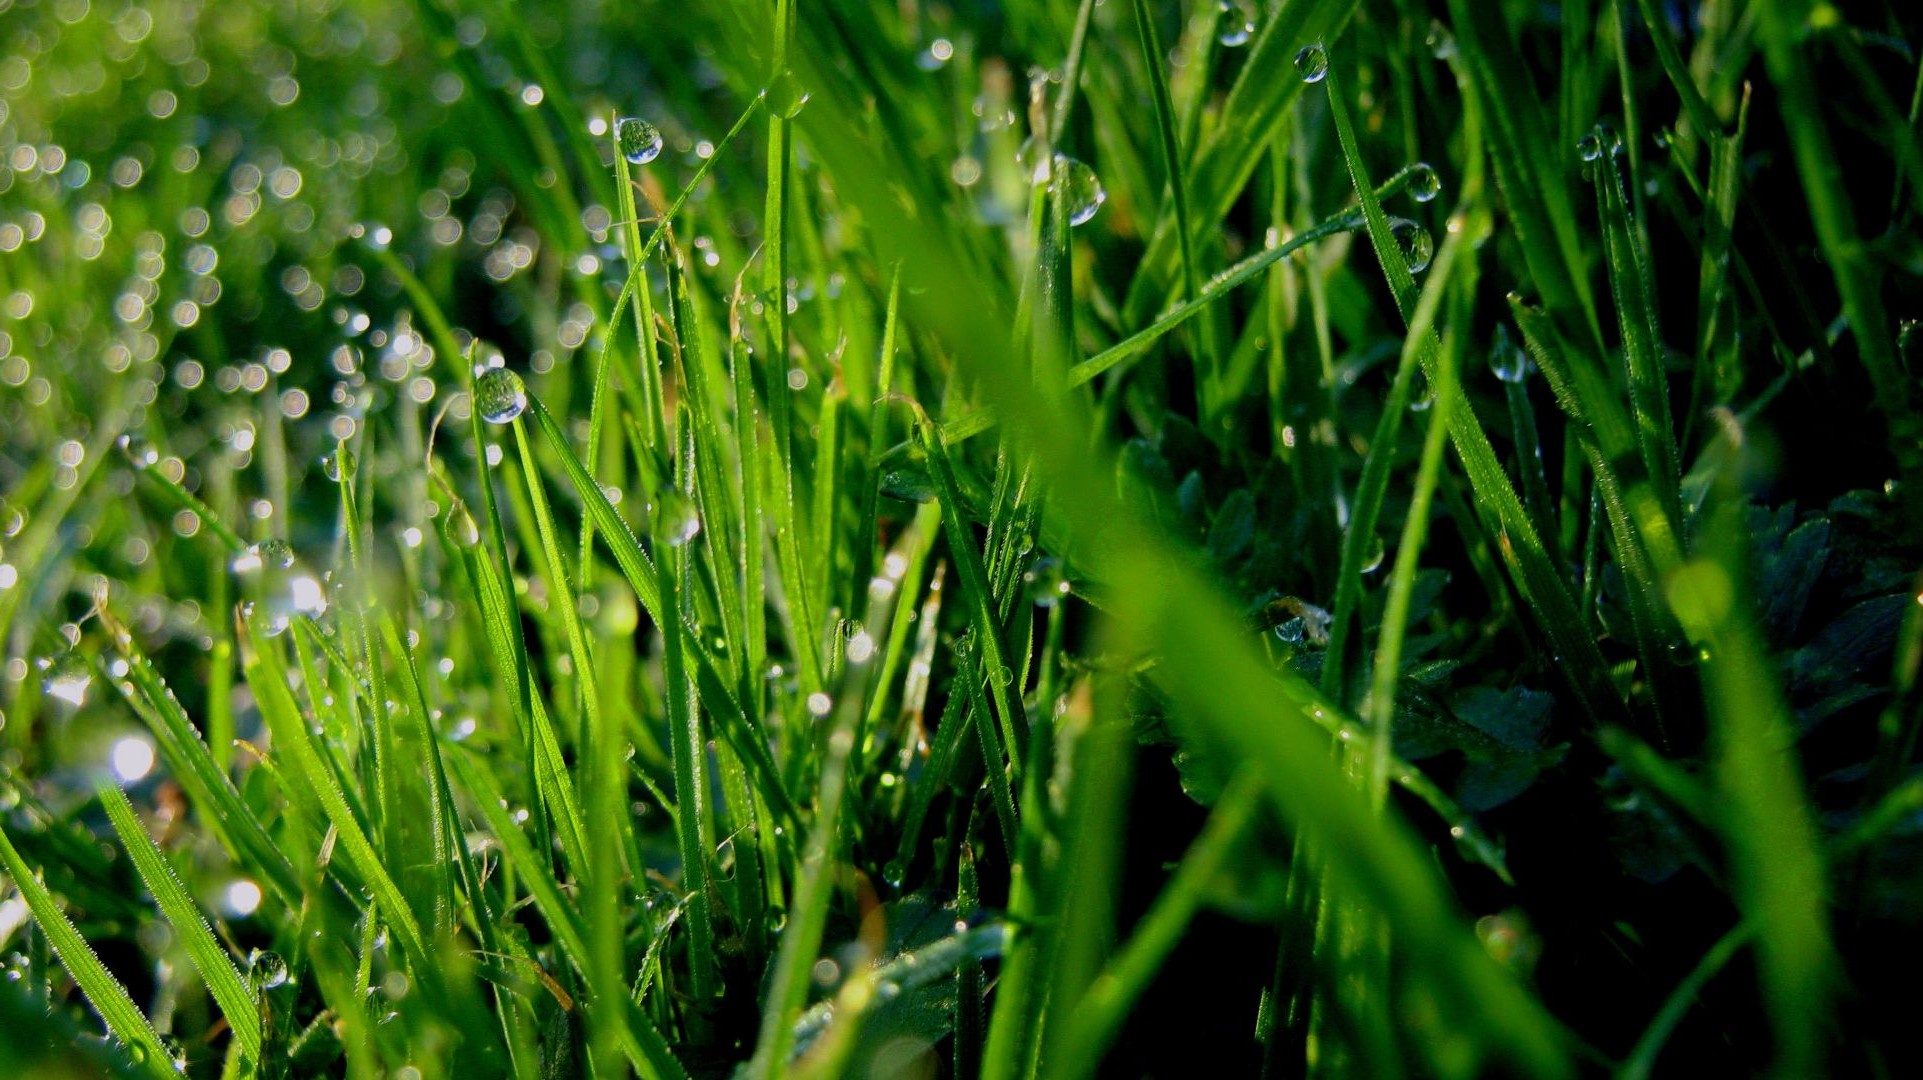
(1415, 242)
(461, 527)
(1424, 184)
(499, 395)
(1507, 359)
(894, 873)
(1081, 189)
(1589, 147)
(1033, 159)
(1044, 582)
(66, 678)
(339, 465)
(139, 452)
(1237, 23)
(677, 520)
(905, 474)
(787, 95)
(1372, 558)
(267, 970)
(1312, 63)
(639, 140)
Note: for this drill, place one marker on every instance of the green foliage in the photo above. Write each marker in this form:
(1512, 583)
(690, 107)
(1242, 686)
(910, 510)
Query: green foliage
(851, 538)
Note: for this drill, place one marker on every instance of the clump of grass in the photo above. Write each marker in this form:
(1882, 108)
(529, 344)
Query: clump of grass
(832, 540)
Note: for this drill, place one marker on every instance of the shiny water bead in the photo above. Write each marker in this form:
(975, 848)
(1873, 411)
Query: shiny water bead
(1506, 358)
(787, 95)
(1081, 189)
(1424, 184)
(1415, 243)
(639, 140)
(1589, 147)
(1033, 159)
(267, 970)
(139, 452)
(1044, 582)
(339, 465)
(499, 395)
(677, 520)
(269, 554)
(66, 677)
(905, 474)
(1237, 23)
(1312, 63)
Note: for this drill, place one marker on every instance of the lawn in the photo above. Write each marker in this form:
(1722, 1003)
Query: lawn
(998, 538)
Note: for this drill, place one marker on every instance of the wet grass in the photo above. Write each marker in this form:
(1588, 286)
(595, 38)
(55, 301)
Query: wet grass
(820, 539)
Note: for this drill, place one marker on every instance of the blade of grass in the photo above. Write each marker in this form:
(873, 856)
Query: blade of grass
(215, 966)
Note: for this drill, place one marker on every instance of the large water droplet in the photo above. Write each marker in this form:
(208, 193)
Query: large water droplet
(66, 678)
(894, 874)
(1506, 358)
(281, 589)
(1312, 63)
(267, 970)
(787, 95)
(676, 520)
(339, 465)
(499, 396)
(139, 452)
(1081, 189)
(1589, 147)
(640, 141)
(1044, 583)
(905, 474)
(1424, 184)
(1033, 159)
(1237, 23)
(1415, 243)
(461, 527)
(1372, 558)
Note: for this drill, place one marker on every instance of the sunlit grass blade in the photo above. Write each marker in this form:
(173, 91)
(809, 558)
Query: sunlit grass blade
(212, 961)
(106, 994)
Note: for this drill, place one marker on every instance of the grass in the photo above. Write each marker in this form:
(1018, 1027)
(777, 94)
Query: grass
(1017, 540)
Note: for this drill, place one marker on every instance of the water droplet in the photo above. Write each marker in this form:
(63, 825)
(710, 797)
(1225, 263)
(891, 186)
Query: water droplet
(1415, 242)
(894, 873)
(1589, 147)
(676, 520)
(1081, 189)
(1611, 141)
(787, 95)
(640, 141)
(1506, 358)
(1033, 159)
(1423, 396)
(1000, 675)
(461, 527)
(499, 396)
(905, 474)
(281, 588)
(339, 465)
(1044, 582)
(176, 1052)
(139, 452)
(267, 970)
(1372, 558)
(66, 677)
(1237, 23)
(1424, 184)
(269, 554)
(1312, 63)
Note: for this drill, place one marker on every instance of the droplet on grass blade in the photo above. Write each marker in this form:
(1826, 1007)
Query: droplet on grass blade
(499, 396)
(1506, 358)
(1312, 63)
(639, 140)
(339, 464)
(1044, 583)
(139, 452)
(676, 520)
(1415, 243)
(1237, 23)
(1081, 189)
(66, 678)
(1424, 184)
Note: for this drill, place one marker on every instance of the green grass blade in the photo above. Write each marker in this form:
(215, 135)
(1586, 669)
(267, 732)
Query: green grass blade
(106, 994)
(212, 961)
